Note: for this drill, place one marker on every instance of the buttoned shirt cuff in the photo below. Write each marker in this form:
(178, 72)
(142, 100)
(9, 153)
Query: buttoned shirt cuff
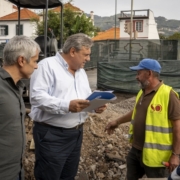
(64, 106)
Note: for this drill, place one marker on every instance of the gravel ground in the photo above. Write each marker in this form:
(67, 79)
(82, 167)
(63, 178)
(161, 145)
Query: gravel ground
(103, 157)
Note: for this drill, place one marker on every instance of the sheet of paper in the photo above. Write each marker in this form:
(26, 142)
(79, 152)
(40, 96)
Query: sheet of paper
(96, 103)
(110, 91)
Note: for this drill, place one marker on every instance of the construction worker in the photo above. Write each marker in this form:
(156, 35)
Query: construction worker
(155, 125)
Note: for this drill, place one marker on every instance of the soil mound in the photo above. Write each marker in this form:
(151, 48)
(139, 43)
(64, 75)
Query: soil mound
(103, 157)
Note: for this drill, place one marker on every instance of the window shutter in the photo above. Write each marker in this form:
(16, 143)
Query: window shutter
(6, 30)
(16, 29)
(21, 29)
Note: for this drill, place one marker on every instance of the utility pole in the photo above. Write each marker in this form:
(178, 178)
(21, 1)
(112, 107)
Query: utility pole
(131, 27)
(131, 24)
(115, 18)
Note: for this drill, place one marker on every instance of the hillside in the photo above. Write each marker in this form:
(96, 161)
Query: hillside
(169, 27)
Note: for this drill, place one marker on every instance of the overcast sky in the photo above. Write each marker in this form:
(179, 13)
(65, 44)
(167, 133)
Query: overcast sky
(167, 8)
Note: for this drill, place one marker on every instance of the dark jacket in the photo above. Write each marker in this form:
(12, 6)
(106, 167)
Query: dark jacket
(12, 130)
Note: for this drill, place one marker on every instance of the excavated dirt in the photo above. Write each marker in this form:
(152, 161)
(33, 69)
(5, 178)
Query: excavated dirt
(103, 157)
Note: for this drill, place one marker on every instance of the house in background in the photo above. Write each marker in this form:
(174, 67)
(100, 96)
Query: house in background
(108, 34)
(144, 37)
(143, 24)
(71, 7)
(9, 20)
(9, 25)
(6, 8)
(75, 9)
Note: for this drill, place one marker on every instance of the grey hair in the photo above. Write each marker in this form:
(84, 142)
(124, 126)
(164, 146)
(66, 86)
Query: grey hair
(77, 41)
(19, 46)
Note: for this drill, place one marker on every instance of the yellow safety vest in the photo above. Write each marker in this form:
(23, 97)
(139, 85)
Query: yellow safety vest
(158, 130)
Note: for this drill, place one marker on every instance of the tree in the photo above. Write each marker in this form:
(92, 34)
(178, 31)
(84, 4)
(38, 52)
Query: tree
(83, 24)
(72, 23)
(175, 36)
(53, 23)
(162, 36)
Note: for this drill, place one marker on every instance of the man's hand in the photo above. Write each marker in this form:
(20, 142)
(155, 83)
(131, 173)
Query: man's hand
(114, 124)
(78, 105)
(111, 127)
(101, 109)
(174, 159)
(173, 162)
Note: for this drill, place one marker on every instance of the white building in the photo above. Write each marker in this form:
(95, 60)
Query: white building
(9, 25)
(143, 24)
(6, 8)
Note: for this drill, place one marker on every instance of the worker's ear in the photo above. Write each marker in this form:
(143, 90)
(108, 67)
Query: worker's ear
(72, 52)
(150, 73)
(21, 61)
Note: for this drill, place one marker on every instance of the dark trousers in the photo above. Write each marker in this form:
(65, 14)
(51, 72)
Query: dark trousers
(57, 152)
(136, 168)
(19, 175)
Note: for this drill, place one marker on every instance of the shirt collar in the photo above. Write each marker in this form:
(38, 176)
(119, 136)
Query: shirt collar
(62, 60)
(5, 75)
(157, 87)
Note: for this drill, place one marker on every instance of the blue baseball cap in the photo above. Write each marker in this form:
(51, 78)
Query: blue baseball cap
(150, 64)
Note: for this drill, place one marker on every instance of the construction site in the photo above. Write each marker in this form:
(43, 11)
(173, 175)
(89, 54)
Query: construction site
(103, 156)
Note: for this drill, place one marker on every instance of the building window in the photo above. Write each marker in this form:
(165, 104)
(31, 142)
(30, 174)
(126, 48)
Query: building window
(3, 30)
(21, 30)
(139, 26)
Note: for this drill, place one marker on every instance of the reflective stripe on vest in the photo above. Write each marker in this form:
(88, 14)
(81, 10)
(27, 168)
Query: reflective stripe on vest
(157, 146)
(158, 130)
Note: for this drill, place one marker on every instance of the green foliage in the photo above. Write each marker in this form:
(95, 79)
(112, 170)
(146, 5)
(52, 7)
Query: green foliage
(53, 23)
(162, 36)
(83, 24)
(68, 21)
(72, 23)
(175, 36)
(98, 29)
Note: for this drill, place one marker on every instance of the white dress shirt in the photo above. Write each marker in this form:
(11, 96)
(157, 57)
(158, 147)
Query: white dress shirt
(52, 87)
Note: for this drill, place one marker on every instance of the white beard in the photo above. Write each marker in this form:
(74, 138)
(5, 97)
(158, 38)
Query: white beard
(144, 84)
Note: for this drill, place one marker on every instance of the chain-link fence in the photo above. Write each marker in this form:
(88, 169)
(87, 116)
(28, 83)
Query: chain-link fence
(120, 50)
(114, 57)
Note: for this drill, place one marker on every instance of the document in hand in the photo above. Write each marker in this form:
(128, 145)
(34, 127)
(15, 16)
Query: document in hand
(98, 99)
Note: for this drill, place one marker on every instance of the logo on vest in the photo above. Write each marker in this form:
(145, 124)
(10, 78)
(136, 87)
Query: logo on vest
(156, 107)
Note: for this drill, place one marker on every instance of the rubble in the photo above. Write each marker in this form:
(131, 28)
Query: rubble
(103, 156)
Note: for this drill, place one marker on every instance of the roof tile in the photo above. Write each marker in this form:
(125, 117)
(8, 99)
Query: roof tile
(108, 34)
(25, 14)
(68, 5)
